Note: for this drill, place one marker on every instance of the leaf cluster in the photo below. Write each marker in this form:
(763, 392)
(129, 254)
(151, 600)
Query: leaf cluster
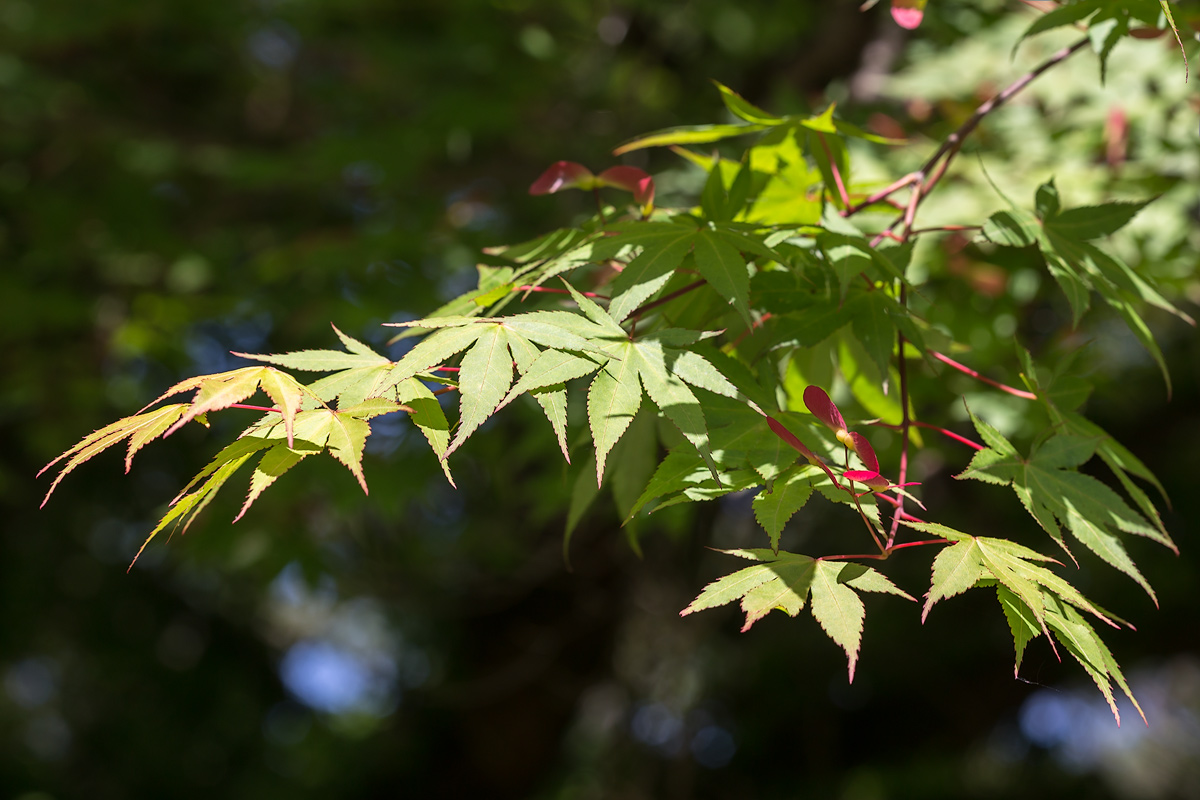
(703, 344)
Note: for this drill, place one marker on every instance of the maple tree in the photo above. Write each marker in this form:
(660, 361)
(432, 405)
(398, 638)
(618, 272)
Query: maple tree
(712, 335)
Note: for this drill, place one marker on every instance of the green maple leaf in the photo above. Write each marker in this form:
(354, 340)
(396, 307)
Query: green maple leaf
(493, 346)
(359, 375)
(1064, 238)
(664, 249)
(138, 429)
(343, 433)
(666, 374)
(1062, 394)
(1035, 600)
(1107, 22)
(1055, 494)
(786, 581)
(974, 558)
(780, 501)
(1079, 638)
(213, 393)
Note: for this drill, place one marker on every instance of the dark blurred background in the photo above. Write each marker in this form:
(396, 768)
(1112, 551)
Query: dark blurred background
(178, 180)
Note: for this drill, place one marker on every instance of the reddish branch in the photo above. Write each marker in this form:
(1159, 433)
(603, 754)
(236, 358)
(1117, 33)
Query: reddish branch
(954, 142)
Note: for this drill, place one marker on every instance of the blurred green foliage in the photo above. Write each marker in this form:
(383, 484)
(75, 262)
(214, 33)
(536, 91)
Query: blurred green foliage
(181, 180)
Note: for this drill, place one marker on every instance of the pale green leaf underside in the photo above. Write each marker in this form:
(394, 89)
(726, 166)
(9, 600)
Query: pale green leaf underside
(786, 581)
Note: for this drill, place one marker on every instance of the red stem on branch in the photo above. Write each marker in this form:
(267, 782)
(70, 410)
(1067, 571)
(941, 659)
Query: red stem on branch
(254, 408)
(918, 544)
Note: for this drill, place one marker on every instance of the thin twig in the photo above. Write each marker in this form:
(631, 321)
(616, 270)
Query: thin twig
(954, 142)
(254, 408)
(950, 146)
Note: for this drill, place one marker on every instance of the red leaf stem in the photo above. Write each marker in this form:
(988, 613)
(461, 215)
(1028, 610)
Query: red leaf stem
(968, 371)
(757, 324)
(551, 290)
(833, 167)
(918, 544)
(939, 429)
(254, 408)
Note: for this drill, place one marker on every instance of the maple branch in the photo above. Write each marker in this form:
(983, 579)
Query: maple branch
(954, 142)
(950, 146)
(599, 206)
(963, 368)
(443, 391)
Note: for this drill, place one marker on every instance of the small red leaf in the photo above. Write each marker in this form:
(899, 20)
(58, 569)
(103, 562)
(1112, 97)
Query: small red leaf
(631, 179)
(562, 175)
(790, 438)
(822, 407)
(908, 13)
(860, 445)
